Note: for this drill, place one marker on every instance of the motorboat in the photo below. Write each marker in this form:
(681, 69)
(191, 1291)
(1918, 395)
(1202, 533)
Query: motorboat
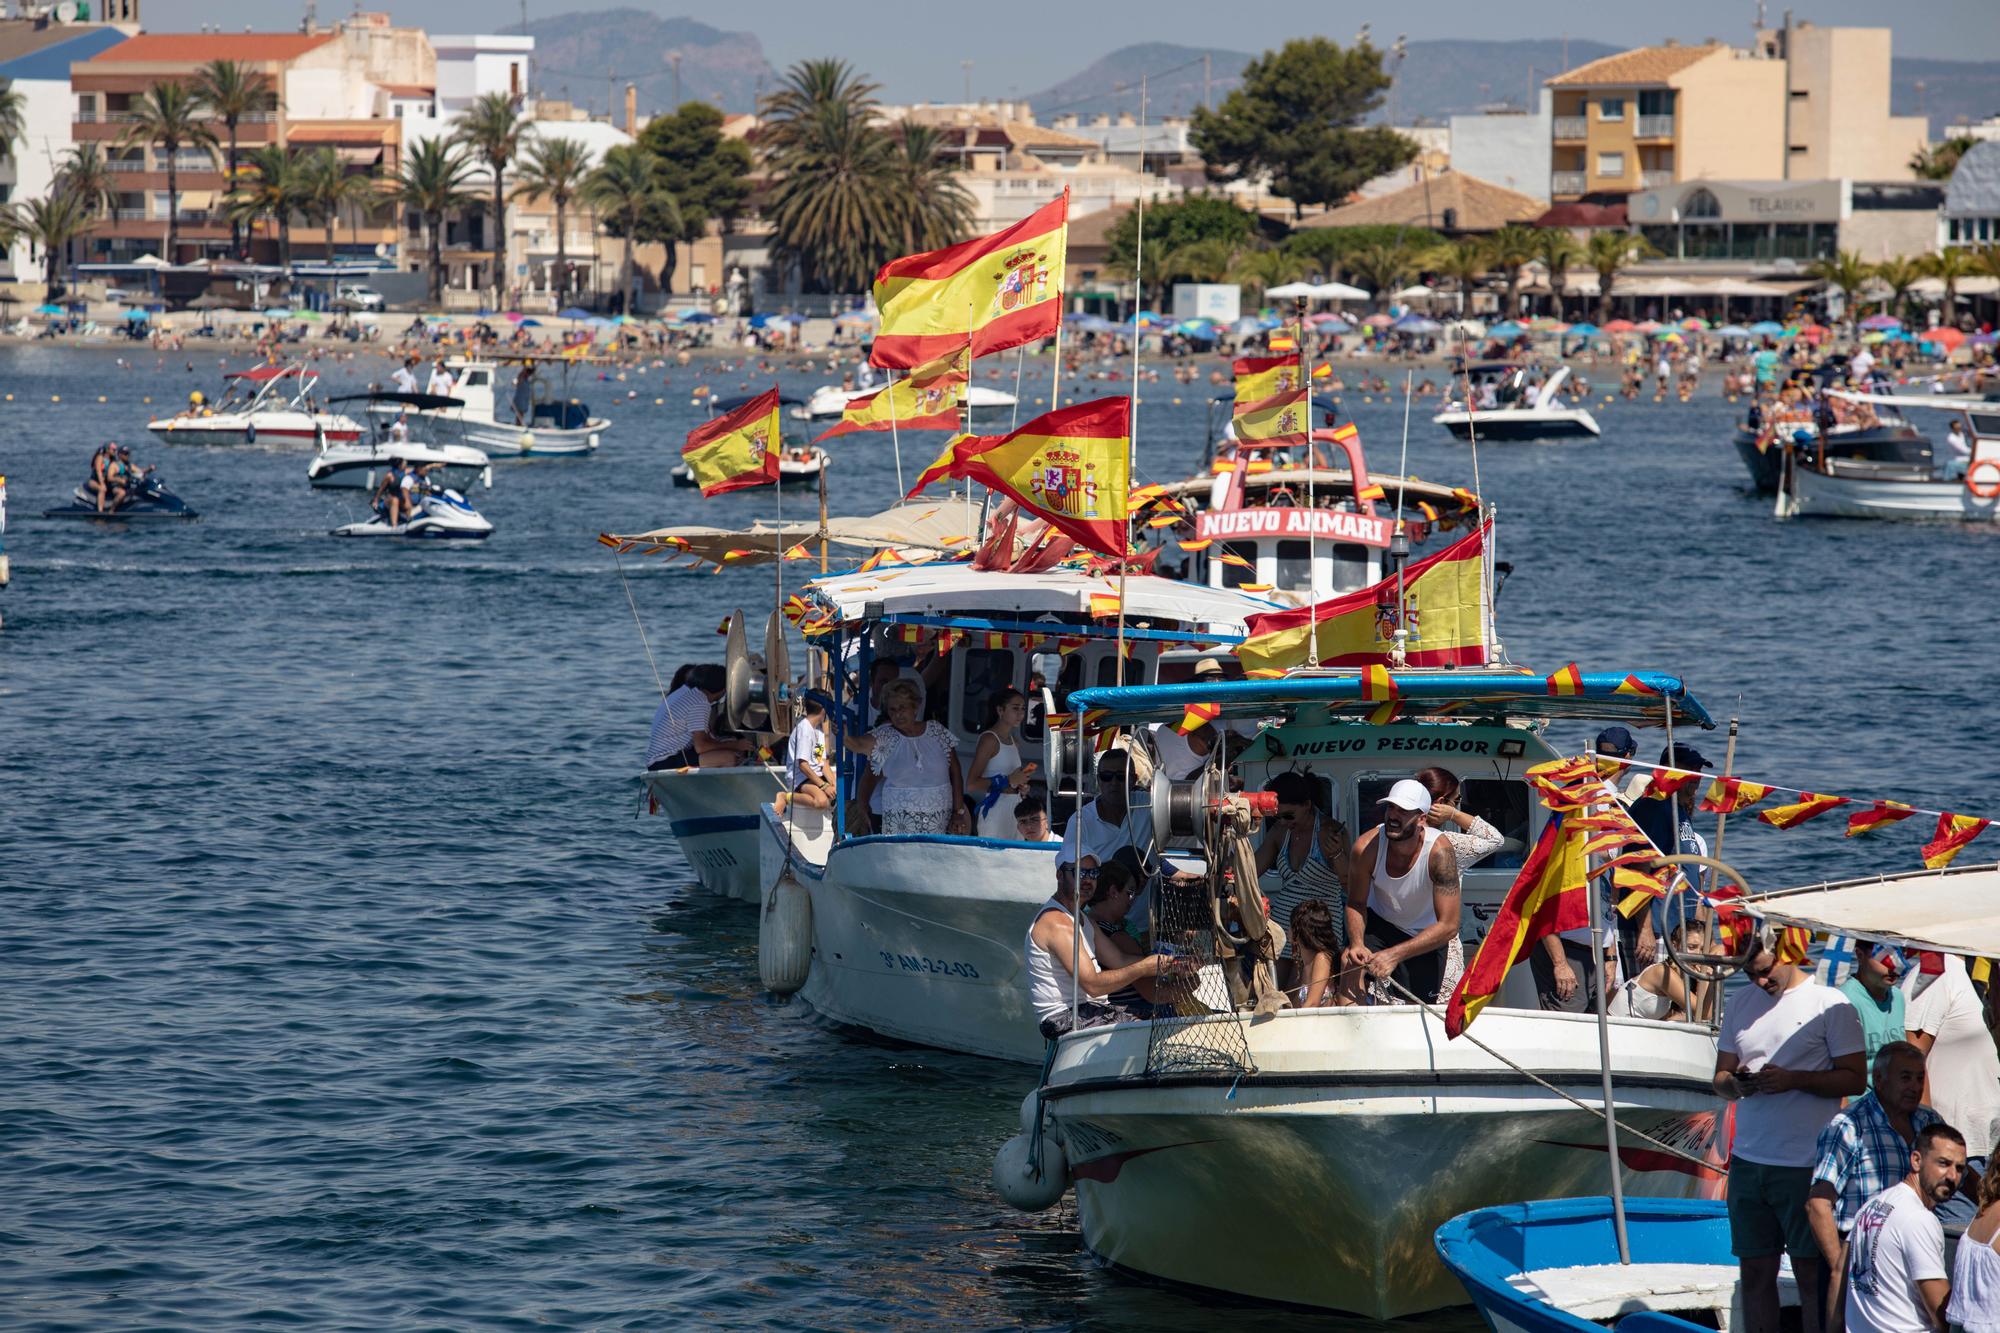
(146, 499)
(1829, 484)
(830, 400)
(556, 424)
(799, 463)
(441, 515)
(1388, 1127)
(917, 937)
(358, 464)
(1881, 436)
(1523, 408)
(264, 403)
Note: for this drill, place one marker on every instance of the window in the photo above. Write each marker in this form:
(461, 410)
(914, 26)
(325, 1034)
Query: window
(1700, 204)
(1350, 567)
(1611, 165)
(1107, 669)
(1234, 575)
(1294, 565)
(987, 672)
(1656, 102)
(1611, 108)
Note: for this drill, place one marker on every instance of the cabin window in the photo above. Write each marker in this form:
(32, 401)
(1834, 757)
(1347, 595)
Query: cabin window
(1295, 565)
(987, 672)
(1107, 669)
(474, 378)
(1235, 576)
(1350, 567)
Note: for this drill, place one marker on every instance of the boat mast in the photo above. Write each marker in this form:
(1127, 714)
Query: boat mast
(1132, 413)
(1617, 1169)
(1312, 501)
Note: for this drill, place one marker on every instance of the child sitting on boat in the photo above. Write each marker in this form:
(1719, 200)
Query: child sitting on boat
(807, 781)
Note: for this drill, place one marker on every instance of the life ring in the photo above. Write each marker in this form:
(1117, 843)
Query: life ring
(1984, 490)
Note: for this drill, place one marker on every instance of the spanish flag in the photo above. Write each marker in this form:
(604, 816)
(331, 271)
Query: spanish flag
(1876, 816)
(931, 397)
(1810, 805)
(737, 449)
(1270, 401)
(986, 294)
(1953, 832)
(1568, 681)
(1550, 895)
(1725, 796)
(1445, 594)
(1633, 685)
(1665, 782)
(1285, 338)
(1071, 466)
(1198, 716)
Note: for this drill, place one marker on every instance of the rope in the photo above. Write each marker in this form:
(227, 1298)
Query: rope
(1600, 1112)
(634, 604)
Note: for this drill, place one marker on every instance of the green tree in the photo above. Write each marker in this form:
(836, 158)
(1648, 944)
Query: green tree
(1465, 262)
(1986, 261)
(273, 184)
(555, 169)
(492, 129)
(706, 173)
(1297, 116)
(1384, 268)
(328, 189)
(1559, 252)
(1936, 162)
(435, 179)
(1327, 248)
(627, 184)
(13, 122)
(1846, 272)
(808, 88)
(832, 210)
(1609, 253)
(1899, 275)
(233, 91)
(86, 173)
(1508, 250)
(931, 206)
(1951, 266)
(1257, 271)
(168, 116)
(1176, 223)
(50, 224)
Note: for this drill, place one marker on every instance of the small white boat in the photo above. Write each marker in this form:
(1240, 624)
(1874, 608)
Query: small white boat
(358, 464)
(829, 400)
(1520, 413)
(1922, 484)
(799, 463)
(555, 424)
(441, 515)
(273, 404)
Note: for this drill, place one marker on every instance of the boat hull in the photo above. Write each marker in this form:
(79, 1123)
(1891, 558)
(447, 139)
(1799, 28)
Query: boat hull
(1563, 424)
(514, 441)
(1882, 444)
(713, 815)
(1839, 495)
(1369, 1131)
(263, 428)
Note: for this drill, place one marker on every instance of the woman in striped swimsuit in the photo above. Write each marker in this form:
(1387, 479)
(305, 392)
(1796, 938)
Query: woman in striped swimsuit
(1300, 857)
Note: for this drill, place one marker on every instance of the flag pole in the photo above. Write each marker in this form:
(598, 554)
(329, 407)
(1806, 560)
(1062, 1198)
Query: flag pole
(1597, 935)
(1400, 652)
(1312, 498)
(1132, 413)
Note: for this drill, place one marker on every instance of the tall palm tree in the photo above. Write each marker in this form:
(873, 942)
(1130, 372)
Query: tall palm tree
(1261, 270)
(932, 207)
(1899, 275)
(1846, 272)
(1558, 251)
(831, 210)
(50, 224)
(232, 92)
(13, 119)
(493, 128)
(1986, 261)
(433, 182)
(1465, 262)
(1509, 249)
(86, 173)
(807, 88)
(627, 186)
(1383, 266)
(168, 116)
(326, 189)
(555, 170)
(1609, 253)
(1951, 267)
(273, 184)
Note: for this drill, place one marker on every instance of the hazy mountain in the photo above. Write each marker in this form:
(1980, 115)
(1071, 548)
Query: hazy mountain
(1953, 90)
(1173, 82)
(590, 57)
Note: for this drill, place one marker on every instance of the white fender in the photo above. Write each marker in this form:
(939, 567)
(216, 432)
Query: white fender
(1015, 1178)
(785, 937)
(1031, 1107)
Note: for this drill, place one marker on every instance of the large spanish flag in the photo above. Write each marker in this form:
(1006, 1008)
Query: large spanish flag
(931, 397)
(1445, 593)
(1550, 895)
(1071, 466)
(1270, 401)
(992, 292)
(737, 449)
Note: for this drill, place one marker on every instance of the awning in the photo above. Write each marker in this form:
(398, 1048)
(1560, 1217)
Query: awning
(1950, 911)
(921, 529)
(197, 200)
(345, 132)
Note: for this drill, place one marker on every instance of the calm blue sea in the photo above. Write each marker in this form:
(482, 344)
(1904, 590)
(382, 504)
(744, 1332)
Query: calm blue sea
(341, 985)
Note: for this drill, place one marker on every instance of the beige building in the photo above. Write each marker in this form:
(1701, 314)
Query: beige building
(1837, 121)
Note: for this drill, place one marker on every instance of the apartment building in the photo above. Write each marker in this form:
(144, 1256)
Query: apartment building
(35, 57)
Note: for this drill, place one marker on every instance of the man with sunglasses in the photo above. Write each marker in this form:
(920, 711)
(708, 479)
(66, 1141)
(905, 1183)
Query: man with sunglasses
(1788, 1051)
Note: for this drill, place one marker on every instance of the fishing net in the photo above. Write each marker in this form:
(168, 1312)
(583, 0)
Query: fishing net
(1225, 980)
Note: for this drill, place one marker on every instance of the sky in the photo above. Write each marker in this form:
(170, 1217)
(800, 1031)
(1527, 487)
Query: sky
(914, 47)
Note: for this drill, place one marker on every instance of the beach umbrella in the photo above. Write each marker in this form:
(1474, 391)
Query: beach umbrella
(277, 312)
(1647, 326)
(1333, 326)
(1506, 328)
(697, 317)
(136, 317)
(1584, 330)
(1326, 317)
(513, 317)
(1620, 326)
(1732, 331)
(1944, 336)
(858, 317)
(310, 314)
(530, 323)
(1875, 336)
(1768, 328)
(1694, 322)
(1881, 322)
(1378, 320)
(47, 309)
(1242, 328)
(1812, 333)
(1669, 336)
(572, 312)
(1416, 324)
(1145, 319)
(1986, 338)
(1555, 326)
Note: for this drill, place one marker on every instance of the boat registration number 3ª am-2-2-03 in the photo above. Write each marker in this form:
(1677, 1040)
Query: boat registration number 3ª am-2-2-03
(940, 967)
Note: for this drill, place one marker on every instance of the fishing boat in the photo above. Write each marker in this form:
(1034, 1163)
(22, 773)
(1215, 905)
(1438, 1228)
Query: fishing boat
(1882, 436)
(1819, 483)
(1523, 410)
(1577, 1264)
(268, 403)
(556, 423)
(1370, 1113)
(359, 463)
(917, 937)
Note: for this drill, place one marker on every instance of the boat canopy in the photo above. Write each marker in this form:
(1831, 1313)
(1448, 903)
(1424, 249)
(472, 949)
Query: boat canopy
(731, 404)
(1948, 911)
(1459, 696)
(958, 594)
(1332, 480)
(1942, 402)
(934, 528)
(429, 402)
(264, 374)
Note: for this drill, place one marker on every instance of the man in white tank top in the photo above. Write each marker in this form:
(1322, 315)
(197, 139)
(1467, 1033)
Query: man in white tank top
(1051, 946)
(1403, 896)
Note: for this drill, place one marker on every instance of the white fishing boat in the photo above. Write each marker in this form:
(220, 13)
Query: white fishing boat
(1387, 1128)
(830, 400)
(1520, 410)
(1826, 483)
(273, 404)
(554, 424)
(358, 464)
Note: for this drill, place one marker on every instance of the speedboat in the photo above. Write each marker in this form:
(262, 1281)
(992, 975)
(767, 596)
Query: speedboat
(1883, 436)
(557, 424)
(442, 515)
(1831, 484)
(1522, 412)
(271, 403)
(358, 464)
(830, 400)
(147, 498)
(799, 463)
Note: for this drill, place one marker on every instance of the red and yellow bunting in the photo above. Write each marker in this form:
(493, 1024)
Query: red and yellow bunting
(1953, 833)
(1664, 782)
(1810, 805)
(1633, 685)
(1878, 815)
(1198, 716)
(986, 294)
(1568, 681)
(1105, 605)
(1726, 796)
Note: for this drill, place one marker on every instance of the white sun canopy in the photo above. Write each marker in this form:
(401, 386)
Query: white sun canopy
(1951, 911)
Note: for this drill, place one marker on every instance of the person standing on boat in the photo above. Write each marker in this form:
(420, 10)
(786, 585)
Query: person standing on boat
(1403, 897)
(524, 394)
(1947, 1023)
(1896, 1278)
(1109, 828)
(1975, 1272)
(995, 776)
(404, 377)
(680, 736)
(1862, 1151)
(1788, 1051)
(912, 763)
(440, 382)
(1873, 992)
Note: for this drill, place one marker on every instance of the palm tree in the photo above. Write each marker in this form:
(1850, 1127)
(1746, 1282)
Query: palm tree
(933, 209)
(13, 119)
(1986, 261)
(1464, 262)
(1951, 267)
(808, 87)
(831, 210)
(168, 116)
(1899, 275)
(326, 189)
(1383, 267)
(273, 184)
(86, 173)
(1558, 251)
(1260, 270)
(1609, 252)
(50, 224)
(1936, 162)
(555, 170)
(233, 91)
(1509, 249)
(627, 185)
(1844, 271)
(493, 129)
(433, 182)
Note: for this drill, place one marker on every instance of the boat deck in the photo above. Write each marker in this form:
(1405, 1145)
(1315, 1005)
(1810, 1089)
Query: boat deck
(1604, 1292)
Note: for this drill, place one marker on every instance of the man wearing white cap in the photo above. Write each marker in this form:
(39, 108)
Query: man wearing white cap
(1403, 896)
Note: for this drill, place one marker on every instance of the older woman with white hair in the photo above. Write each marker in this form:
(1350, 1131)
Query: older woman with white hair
(912, 761)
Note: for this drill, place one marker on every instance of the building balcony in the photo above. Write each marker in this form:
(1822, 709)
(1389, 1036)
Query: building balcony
(1655, 180)
(1654, 127)
(1571, 128)
(1566, 182)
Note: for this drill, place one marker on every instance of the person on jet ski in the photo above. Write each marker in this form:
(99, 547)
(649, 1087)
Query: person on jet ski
(103, 470)
(388, 496)
(125, 478)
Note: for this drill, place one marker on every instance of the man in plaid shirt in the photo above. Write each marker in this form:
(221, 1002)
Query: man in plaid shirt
(1864, 1150)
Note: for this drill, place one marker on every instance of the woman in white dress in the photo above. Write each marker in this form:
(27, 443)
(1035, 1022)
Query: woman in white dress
(911, 760)
(995, 777)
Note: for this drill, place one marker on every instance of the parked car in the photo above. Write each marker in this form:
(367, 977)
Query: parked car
(350, 297)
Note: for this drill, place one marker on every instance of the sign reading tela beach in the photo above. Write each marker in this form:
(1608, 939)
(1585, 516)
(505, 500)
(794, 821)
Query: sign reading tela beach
(989, 293)
(1071, 467)
(737, 449)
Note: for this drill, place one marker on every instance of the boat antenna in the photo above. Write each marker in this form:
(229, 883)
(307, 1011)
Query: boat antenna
(895, 436)
(1312, 498)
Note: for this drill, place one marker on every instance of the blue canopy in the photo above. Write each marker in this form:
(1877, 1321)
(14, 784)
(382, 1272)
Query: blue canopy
(572, 312)
(1092, 324)
(1583, 330)
(1335, 326)
(696, 317)
(1416, 324)
(1768, 328)
(1460, 696)
(1507, 328)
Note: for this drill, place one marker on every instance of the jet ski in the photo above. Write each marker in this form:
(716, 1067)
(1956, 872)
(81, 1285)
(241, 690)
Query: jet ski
(442, 515)
(148, 497)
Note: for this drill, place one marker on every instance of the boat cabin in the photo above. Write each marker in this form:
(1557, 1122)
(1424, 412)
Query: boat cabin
(484, 389)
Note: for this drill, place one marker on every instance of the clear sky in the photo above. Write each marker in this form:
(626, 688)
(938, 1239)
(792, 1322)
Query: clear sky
(914, 47)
